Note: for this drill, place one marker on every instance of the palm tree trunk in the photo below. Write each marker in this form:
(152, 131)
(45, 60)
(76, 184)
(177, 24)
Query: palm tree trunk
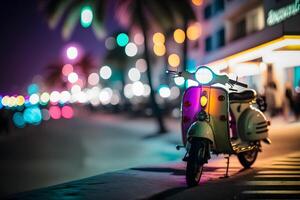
(185, 51)
(155, 108)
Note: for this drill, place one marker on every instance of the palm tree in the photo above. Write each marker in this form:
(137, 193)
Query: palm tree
(54, 76)
(141, 14)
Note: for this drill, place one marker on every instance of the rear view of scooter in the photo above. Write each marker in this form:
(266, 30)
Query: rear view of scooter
(219, 119)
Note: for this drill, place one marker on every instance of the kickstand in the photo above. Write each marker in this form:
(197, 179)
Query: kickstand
(227, 167)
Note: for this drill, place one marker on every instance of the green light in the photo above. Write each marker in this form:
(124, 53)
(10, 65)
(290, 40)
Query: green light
(122, 39)
(86, 16)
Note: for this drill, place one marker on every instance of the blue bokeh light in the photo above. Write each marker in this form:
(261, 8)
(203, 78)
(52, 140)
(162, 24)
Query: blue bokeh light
(32, 115)
(18, 120)
(33, 88)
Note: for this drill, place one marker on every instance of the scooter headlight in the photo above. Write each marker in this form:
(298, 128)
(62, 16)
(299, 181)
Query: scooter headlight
(204, 75)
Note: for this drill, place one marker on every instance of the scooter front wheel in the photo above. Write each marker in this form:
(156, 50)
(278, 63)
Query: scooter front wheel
(247, 158)
(194, 166)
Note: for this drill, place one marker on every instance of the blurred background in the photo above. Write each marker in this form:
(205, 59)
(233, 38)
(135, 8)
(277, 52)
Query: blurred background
(83, 88)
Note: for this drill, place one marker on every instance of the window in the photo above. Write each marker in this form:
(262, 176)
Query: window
(219, 6)
(240, 29)
(208, 44)
(213, 9)
(220, 36)
(207, 12)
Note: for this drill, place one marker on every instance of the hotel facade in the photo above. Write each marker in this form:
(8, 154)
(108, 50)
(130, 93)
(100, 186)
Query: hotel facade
(257, 40)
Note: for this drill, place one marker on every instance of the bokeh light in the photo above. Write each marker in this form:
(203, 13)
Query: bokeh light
(179, 81)
(138, 88)
(105, 72)
(72, 52)
(134, 74)
(5, 100)
(164, 91)
(175, 92)
(110, 43)
(73, 77)
(194, 31)
(55, 112)
(105, 96)
(138, 39)
(159, 49)
(179, 36)
(122, 39)
(54, 96)
(20, 100)
(67, 112)
(32, 115)
(197, 2)
(147, 90)
(1, 106)
(65, 97)
(34, 99)
(44, 98)
(141, 65)
(158, 38)
(75, 89)
(12, 101)
(32, 88)
(67, 69)
(128, 93)
(18, 120)
(86, 16)
(174, 60)
(131, 49)
(93, 79)
(45, 114)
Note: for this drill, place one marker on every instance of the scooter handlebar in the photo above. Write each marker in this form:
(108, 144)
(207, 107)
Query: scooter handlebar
(237, 83)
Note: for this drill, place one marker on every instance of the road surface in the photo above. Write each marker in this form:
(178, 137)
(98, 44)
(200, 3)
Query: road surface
(275, 174)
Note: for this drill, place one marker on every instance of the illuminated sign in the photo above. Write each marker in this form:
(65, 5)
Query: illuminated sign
(277, 16)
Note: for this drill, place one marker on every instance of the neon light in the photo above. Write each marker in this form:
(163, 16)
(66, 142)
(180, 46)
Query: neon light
(277, 16)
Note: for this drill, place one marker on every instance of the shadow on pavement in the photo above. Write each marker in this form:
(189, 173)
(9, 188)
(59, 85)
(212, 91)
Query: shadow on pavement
(167, 193)
(177, 172)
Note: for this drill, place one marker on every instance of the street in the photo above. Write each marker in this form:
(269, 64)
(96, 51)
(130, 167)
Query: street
(143, 165)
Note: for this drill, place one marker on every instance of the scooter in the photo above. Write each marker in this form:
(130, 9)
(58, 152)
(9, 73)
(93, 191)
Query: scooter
(218, 119)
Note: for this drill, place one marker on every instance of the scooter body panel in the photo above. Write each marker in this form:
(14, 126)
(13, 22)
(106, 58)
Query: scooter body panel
(250, 123)
(217, 110)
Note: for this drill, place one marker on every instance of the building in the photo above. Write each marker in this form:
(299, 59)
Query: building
(258, 40)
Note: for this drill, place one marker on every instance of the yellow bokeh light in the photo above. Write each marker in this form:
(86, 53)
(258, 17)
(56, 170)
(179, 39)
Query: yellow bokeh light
(158, 38)
(179, 36)
(194, 31)
(197, 2)
(12, 101)
(5, 100)
(159, 50)
(174, 60)
(20, 100)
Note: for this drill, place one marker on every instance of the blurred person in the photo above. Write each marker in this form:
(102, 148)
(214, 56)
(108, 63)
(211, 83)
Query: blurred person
(270, 93)
(288, 102)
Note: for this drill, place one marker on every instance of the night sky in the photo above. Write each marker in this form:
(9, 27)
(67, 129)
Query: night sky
(27, 44)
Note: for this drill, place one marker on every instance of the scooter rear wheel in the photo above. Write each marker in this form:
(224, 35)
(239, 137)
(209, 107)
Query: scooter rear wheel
(247, 158)
(194, 166)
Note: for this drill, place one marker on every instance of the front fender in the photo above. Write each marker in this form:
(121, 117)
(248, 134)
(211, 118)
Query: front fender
(201, 129)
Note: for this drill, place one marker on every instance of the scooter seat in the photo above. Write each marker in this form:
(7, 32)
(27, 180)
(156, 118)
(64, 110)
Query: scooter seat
(246, 95)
